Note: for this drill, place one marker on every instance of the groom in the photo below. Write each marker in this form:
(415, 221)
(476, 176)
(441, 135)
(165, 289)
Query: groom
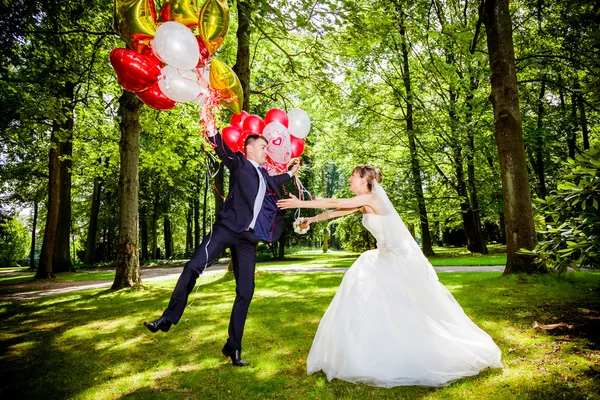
(249, 214)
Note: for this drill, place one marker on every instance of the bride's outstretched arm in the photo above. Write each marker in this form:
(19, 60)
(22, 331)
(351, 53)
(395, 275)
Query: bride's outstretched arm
(328, 214)
(353, 202)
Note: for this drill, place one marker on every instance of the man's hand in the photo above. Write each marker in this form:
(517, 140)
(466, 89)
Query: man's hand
(295, 165)
(292, 202)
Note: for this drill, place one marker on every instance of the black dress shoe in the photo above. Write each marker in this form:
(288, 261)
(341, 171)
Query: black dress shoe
(162, 323)
(236, 357)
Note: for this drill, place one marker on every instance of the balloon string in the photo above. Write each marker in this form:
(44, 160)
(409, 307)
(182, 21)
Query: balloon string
(301, 191)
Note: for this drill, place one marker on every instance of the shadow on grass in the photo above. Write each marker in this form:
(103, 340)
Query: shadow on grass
(93, 344)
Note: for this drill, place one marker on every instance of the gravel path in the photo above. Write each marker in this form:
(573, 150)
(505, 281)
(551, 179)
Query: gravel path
(159, 273)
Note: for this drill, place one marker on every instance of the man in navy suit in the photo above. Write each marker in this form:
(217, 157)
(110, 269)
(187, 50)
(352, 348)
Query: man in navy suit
(249, 214)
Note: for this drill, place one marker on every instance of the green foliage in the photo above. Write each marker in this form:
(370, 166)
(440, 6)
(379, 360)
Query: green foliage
(14, 242)
(573, 235)
(353, 235)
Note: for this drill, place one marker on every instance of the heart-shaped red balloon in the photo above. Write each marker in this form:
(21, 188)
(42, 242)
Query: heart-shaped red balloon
(230, 135)
(135, 71)
(155, 98)
(276, 115)
(253, 124)
(297, 146)
(237, 120)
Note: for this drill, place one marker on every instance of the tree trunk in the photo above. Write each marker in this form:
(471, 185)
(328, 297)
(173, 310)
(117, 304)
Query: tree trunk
(189, 228)
(415, 167)
(33, 228)
(480, 245)
(475, 241)
(168, 235)
(128, 263)
(154, 225)
(144, 232)
(569, 127)
(539, 143)
(582, 119)
(508, 131)
(242, 63)
(44, 270)
(61, 258)
(90, 247)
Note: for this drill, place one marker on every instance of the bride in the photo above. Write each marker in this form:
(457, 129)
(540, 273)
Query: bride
(391, 322)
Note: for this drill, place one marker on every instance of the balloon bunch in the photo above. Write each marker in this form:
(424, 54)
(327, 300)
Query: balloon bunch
(285, 133)
(166, 63)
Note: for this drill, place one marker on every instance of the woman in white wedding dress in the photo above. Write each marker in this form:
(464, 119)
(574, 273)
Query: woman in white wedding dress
(391, 322)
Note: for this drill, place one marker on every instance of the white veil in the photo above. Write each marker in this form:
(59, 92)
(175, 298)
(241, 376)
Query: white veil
(396, 236)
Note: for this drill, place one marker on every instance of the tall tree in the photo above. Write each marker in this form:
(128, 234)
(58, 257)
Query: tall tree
(128, 263)
(90, 247)
(508, 131)
(415, 167)
(44, 270)
(61, 257)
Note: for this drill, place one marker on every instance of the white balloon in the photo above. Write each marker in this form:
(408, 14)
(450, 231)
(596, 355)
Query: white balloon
(176, 45)
(280, 146)
(179, 85)
(299, 123)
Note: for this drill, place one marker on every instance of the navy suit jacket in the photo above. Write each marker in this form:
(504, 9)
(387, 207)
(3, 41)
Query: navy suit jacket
(238, 208)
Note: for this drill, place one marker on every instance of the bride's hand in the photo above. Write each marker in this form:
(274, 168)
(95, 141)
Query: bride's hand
(304, 223)
(292, 202)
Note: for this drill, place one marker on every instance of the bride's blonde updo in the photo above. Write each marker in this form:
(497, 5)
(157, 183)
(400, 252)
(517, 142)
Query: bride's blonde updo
(368, 172)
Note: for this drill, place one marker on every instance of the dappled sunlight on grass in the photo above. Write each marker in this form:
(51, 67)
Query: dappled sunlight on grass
(92, 344)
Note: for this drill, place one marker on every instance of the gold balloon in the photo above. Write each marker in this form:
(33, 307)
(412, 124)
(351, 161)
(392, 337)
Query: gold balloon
(213, 23)
(183, 11)
(227, 84)
(135, 21)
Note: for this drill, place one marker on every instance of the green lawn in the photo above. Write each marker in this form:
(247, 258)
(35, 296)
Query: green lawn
(301, 258)
(92, 345)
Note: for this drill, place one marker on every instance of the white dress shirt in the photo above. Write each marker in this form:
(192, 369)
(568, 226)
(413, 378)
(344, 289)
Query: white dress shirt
(262, 189)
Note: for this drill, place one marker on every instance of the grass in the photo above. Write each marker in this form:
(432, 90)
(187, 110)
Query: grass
(92, 345)
(461, 257)
(445, 256)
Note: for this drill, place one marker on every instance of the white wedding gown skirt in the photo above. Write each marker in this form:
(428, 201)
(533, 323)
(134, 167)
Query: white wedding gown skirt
(392, 323)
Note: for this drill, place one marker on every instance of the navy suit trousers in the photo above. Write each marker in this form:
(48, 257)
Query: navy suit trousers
(243, 257)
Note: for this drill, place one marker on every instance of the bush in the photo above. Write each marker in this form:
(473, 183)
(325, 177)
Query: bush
(14, 242)
(572, 238)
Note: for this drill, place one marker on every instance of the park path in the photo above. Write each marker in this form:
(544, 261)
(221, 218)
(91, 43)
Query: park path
(159, 273)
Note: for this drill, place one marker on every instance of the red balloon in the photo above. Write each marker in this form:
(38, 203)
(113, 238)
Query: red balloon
(253, 124)
(230, 135)
(237, 120)
(297, 146)
(148, 52)
(165, 13)
(155, 98)
(135, 71)
(204, 54)
(276, 115)
(242, 141)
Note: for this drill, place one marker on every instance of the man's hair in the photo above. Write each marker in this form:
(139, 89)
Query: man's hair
(253, 138)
